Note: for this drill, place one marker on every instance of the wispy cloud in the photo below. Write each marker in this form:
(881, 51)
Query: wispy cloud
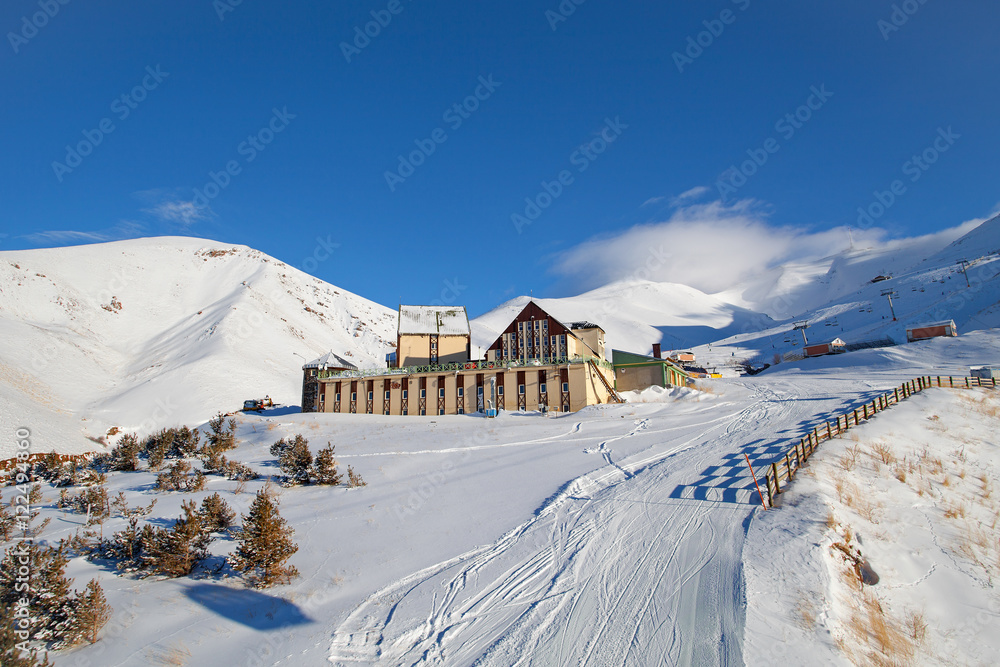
(689, 195)
(652, 200)
(123, 230)
(184, 213)
(714, 246)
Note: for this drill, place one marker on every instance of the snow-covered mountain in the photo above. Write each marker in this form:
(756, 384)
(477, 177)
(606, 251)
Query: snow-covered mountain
(635, 314)
(835, 293)
(146, 333)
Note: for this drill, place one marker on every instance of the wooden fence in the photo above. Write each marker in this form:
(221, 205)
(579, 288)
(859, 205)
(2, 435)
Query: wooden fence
(781, 472)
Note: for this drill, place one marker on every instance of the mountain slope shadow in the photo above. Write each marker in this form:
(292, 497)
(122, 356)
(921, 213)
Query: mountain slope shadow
(248, 607)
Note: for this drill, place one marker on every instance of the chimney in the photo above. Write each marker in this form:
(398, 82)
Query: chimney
(656, 351)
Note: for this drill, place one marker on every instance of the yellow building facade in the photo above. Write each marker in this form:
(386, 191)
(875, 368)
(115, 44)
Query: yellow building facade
(538, 363)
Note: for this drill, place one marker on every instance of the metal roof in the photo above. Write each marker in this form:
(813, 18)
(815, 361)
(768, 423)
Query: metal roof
(582, 325)
(330, 360)
(433, 320)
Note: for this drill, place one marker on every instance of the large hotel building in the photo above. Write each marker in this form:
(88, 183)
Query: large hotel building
(537, 363)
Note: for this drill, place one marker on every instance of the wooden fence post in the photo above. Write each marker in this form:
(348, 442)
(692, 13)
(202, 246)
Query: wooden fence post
(896, 392)
(966, 383)
(788, 465)
(774, 470)
(829, 433)
(951, 381)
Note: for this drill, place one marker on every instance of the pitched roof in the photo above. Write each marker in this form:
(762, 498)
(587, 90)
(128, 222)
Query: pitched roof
(434, 320)
(330, 360)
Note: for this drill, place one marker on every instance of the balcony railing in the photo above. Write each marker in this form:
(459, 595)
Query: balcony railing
(464, 366)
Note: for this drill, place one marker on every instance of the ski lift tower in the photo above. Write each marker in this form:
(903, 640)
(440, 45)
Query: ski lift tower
(889, 293)
(965, 264)
(802, 326)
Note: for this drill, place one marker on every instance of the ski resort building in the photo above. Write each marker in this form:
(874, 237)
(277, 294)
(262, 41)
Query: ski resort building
(311, 394)
(634, 372)
(835, 346)
(537, 363)
(932, 330)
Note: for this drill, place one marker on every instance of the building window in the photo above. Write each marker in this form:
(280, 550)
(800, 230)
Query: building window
(337, 397)
(461, 410)
(565, 386)
(423, 393)
(371, 395)
(405, 392)
(387, 396)
(423, 412)
(500, 390)
(440, 411)
(404, 412)
(542, 389)
(441, 392)
(565, 407)
(354, 395)
(461, 392)
(479, 391)
(520, 389)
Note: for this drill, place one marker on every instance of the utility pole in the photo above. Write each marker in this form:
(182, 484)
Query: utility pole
(964, 264)
(891, 293)
(802, 326)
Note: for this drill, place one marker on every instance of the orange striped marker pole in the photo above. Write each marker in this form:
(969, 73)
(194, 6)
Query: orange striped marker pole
(759, 494)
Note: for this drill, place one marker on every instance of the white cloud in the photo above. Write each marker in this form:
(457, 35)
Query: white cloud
(184, 213)
(688, 195)
(714, 246)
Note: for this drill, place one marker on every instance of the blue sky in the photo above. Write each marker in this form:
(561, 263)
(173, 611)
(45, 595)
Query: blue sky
(603, 116)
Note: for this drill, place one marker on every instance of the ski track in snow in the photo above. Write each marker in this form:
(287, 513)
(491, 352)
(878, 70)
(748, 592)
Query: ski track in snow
(615, 569)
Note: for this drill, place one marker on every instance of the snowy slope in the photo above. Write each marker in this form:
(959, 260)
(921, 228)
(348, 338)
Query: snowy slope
(152, 332)
(635, 314)
(932, 289)
(616, 535)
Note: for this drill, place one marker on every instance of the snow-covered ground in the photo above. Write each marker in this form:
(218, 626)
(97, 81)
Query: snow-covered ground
(616, 535)
(621, 534)
(911, 492)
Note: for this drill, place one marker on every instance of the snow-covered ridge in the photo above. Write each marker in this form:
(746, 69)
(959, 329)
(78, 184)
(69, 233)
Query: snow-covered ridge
(148, 332)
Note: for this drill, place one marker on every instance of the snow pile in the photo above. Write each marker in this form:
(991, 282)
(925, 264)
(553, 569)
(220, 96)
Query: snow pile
(665, 395)
(912, 495)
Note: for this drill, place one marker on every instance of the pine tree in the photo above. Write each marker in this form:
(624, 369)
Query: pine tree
(296, 460)
(176, 551)
(125, 455)
(354, 480)
(265, 544)
(94, 611)
(325, 467)
(10, 655)
(52, 607)
(216, 513)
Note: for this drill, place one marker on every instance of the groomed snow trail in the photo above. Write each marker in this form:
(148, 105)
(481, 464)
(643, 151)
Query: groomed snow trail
(638, 562)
